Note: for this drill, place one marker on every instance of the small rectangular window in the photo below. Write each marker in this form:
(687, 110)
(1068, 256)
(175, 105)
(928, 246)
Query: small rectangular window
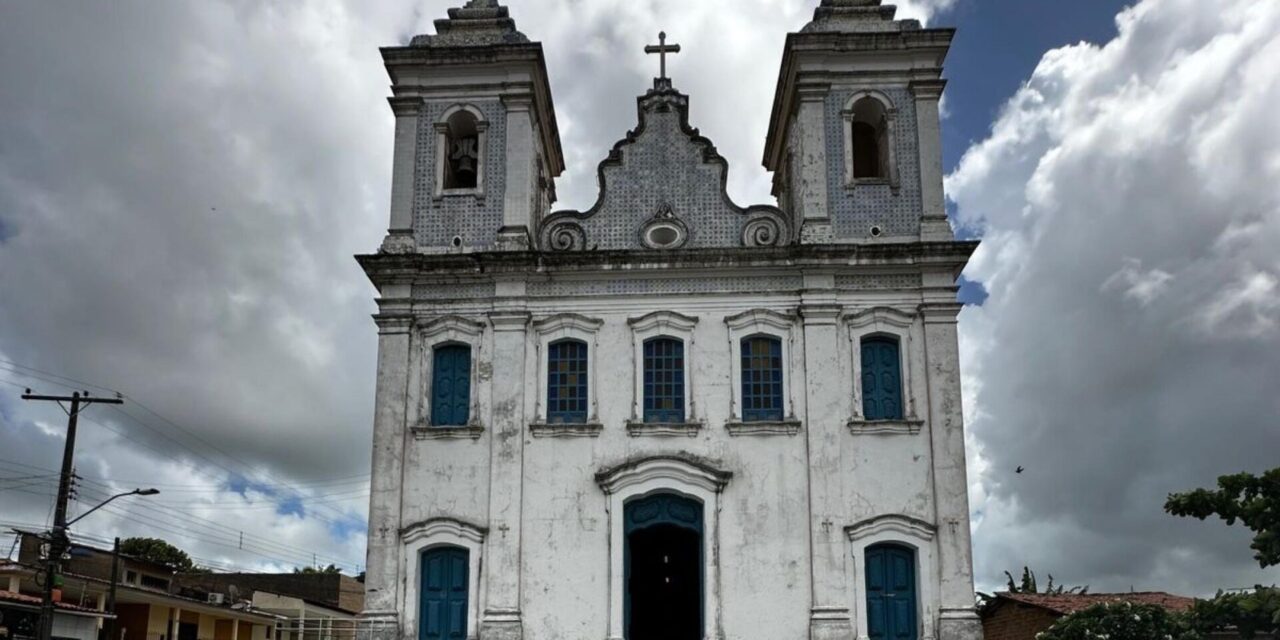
(153, 582)
(761, 379)
(881, 379)
(567, 382)
(663, 380)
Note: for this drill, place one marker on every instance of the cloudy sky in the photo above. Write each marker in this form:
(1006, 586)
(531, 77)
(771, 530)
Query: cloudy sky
(182, 186)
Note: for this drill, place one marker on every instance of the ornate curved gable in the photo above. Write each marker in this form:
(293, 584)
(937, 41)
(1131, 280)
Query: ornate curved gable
(663, 187)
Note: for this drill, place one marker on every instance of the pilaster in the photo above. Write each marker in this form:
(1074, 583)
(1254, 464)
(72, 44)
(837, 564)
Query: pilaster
(400, 232)
(810, 181)
(824, 423)
(382, 577)
(933, 221)
(501, 619)
(958, 619)
(517, 208)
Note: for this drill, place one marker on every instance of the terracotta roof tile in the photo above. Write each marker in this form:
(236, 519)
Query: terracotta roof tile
(1067, 603)
(10, 596)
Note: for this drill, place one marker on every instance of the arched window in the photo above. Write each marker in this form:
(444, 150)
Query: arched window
(462, 151)
(567, 382)
(442, 606)
(761, 378)
(663, 380)
(451, 385)
(870, 139)
(881, 379)
(891, 592)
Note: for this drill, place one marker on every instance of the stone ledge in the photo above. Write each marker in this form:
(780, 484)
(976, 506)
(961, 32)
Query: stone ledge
(636, 428)
(566, 430)
(430, 432)
(884, 427)
(763, 428)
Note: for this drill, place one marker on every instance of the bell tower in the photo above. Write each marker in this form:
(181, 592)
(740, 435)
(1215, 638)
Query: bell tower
(477, 149)
(854, 139)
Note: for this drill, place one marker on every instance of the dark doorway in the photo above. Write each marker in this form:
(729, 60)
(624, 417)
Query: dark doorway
(664, 568)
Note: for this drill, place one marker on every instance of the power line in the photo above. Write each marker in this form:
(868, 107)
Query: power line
(38, 373)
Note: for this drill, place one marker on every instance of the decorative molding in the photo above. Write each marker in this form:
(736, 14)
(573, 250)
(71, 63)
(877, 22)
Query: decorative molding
(896, 523)
(757, 317)
(945, 312)
(680, 470)
(393, 324)
(764, 428)
(509, 320)
(437, 432)
(559, 321)
(663, 321)
(765, 228)
(636, 428)
(663, 218)
(858, 427)
(566, 430)
(451, 323)
(564, 235)
(443, 526)
(880, 315)
(927, 89)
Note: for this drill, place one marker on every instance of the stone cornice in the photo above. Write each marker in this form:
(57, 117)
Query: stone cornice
(927, 89)
(407, 268)
(405, 106)
(944, 312)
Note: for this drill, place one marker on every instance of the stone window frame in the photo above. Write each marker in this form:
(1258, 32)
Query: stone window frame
(891, 140)
(430, 334)
(664, 474)
(782, 326)
(905, 531)
(441, 126)
(671, 325)
(559, 327)
(420, 537)
(908, 329)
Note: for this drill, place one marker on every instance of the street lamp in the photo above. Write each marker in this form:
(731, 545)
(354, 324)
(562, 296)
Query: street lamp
(135, 492)
(57, 546)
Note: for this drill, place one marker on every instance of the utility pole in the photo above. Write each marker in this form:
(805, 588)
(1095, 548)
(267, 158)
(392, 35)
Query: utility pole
(58, 540)
(113, 624)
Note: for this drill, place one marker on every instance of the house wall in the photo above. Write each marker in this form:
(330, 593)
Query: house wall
(1016, 621)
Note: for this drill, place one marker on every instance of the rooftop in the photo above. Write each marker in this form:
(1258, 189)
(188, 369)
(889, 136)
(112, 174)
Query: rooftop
(1068, 603)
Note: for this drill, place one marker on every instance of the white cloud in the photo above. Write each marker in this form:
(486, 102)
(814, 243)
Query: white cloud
(1144, 167)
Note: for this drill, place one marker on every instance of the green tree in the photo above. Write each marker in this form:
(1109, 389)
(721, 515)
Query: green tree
(1253, 500)
(1120, 621)
(1028, 584)
(309, 570)
(159, 551)
(1249, 614)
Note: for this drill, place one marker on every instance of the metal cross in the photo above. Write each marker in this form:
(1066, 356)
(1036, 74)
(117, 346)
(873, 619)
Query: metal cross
(662, 49)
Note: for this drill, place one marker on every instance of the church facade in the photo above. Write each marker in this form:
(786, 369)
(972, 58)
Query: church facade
(669, 416)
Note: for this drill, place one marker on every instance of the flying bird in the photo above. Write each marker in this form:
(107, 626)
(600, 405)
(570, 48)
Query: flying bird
(1018, 470)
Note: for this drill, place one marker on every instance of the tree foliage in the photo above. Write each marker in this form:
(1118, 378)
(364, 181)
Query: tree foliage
(1120, 621)
(310, 570)
(1028, 584)
(1253, 500)
(1249, 613)
(158, 551)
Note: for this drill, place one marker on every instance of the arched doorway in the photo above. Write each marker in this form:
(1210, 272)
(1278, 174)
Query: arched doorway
(442, 607)
(663, 568)
(891, 592)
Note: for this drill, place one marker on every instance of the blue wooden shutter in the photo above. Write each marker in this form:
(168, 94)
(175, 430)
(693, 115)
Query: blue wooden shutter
(891, 593)
(451, 385)
(881, 379)
(443, 599)
(663, 380)
(761, 378)
(567, 381)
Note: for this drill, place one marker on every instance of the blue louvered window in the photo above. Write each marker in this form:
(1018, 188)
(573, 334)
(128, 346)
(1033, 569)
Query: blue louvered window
(663, 380)
(567, 381)
(451, 385)
(761, 378)
(881, 379)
